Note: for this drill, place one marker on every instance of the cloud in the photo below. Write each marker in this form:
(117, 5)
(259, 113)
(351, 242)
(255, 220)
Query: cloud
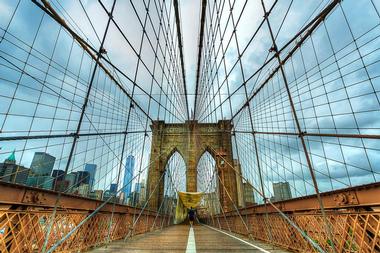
(334, 103)
(190, 16)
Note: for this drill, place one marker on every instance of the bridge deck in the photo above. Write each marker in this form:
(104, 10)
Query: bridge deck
(177, 239)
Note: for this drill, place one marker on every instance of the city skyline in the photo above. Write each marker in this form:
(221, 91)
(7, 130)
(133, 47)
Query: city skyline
(39, 101)
(268, 110)
(128, 175)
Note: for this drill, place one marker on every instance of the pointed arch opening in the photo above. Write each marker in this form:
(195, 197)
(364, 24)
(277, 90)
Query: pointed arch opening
(207, 182)
(206, 173)
(175, 176)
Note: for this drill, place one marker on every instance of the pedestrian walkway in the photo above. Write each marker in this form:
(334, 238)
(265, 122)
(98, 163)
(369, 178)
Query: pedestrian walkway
(180, 238)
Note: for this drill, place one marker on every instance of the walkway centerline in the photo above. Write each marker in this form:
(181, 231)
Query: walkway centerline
(191, 246)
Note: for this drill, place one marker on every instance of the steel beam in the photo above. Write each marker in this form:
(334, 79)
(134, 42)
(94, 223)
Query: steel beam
(20, 195)
(336, 135)
(52, 136)
(364, 196)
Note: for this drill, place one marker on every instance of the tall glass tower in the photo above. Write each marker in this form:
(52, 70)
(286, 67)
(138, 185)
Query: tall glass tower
(128, 175)
(91, 168)
(42, 164)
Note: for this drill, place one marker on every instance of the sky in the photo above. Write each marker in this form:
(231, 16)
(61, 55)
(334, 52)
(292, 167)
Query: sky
(331, 90)
(190, 13)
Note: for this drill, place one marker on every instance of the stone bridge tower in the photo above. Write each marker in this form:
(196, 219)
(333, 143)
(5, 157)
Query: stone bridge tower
(191, 139)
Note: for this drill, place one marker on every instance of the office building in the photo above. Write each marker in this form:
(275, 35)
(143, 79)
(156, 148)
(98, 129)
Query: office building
(281, 191)
(82, 177)
(84, 190)
(142, 194)
(128, 175)
(113, 188)
(8, 163)
(42, 164)
(62, 186)
(58, 175)
(134, 198)
(239, 184)
(11, 172)
(71, 179)
(97, 194)
(108, 194)
(138, 196)
(45, 182)
(138, 187)
(249, 197)
(91, 168)
(40, 170)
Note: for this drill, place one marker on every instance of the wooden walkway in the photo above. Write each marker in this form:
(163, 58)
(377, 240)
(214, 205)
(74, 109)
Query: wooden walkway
(176, 239)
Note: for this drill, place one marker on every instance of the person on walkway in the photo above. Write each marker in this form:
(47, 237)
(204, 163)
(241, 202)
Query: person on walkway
(191, 216)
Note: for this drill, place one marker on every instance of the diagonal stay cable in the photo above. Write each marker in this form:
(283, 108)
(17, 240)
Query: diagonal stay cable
(54, 247)
(310, 240)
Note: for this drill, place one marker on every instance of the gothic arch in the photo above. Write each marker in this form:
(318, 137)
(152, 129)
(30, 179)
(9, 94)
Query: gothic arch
(175, 173)
(170, 154)
(191, 140)
(206, 149)
(207, 173)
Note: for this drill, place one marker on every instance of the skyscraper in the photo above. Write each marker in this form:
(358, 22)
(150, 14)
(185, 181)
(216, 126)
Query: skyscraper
(113, 188)
(128, 175)
(281, 191)
(249, 197)
(59, 176)
(11, 172)
(84, 190)
(91, 168)
(42, 164)
(138, 187)
(71, 177)
(41, 169)
(82, 177)
(142, 194)
(45, 182)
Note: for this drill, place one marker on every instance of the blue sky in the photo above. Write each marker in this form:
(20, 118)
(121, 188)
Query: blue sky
(332, 91)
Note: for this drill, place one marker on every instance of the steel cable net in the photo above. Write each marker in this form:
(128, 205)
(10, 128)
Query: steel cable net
(82, 81)
(300, 82)
(80, 87)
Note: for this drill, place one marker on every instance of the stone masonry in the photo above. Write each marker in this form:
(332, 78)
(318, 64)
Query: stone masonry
(191, 140)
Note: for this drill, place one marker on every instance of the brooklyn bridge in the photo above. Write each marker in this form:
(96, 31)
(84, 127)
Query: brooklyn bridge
(190, 126)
